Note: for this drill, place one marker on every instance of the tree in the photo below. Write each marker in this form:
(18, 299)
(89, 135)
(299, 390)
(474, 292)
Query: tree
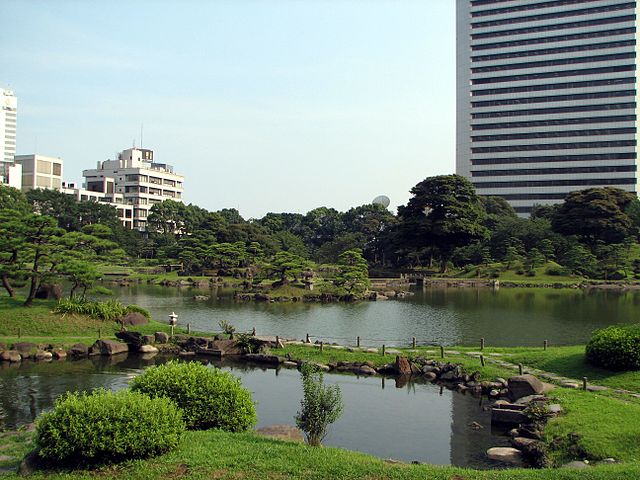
(320, 407)
(595, 214)
(288, 264)
(353, 273)
(445, 213)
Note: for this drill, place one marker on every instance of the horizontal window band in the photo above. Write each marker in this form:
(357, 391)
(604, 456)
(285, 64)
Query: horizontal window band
(554, 171)
(554, 27)
(553, 51)
(555, 86)
(533, 196)
(554, 39)
(584, 182)
(554, 98)
(555, 62)
(556, 158)
(552, 15)
(566, 133)
(554, 74)
(553, 110)
(554, 146)
(524, 8)
(554, 122)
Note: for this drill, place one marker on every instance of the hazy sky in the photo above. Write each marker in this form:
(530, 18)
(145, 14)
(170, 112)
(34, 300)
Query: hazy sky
(262, 105)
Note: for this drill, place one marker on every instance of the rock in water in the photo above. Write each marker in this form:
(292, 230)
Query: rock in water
(108, 347)
(509, 455)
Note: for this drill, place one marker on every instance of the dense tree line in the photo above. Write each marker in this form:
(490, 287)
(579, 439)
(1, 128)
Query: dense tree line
(444, 225)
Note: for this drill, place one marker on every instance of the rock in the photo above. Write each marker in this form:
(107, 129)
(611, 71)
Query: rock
(366, 370)
(161, 337)
(572, 385)
(134, 339)
(201, 298)
(25, 349)
(524, 385)
(148, 349)
(509, 455)
(108, 347)
(134, 319)
(148, 339)
(508, 417)
(554, 409)
(79, 350)
(523, 442)
(49, 291)
(494, 393)
(59, 354)
(262, 358)
(227, 347)
(475, 426)
(10, 356)
(596, 388)
(403, 367)
(371, 350)
(42, 355)
(430, 376)
(530, 399)
(502, 381)
(184, 353)
(289, 364)
(577, 464)
(281, 432)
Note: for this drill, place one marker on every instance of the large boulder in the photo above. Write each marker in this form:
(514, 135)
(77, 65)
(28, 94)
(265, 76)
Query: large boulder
(43, 355)
(10, 356)
(134, 319)
(403, 367)
(49, 291)
(134, 339)
(161, 337)
(108, 347)
(226, 347)
(524, 385)
(79, 350)
(508, 455)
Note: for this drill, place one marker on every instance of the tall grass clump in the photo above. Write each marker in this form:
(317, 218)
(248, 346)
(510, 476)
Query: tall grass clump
(106, 427)
(110, 310)
(208, 397)
(320, 407)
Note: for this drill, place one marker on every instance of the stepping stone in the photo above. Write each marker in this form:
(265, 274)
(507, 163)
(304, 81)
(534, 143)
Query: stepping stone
(509, 455)
(496, 354)
(393, 351)
(569, 385)
(371, 350)
(576, 464)
(596, 388)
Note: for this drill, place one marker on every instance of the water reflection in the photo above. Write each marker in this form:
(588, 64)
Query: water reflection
(387, 417)
(506, 317)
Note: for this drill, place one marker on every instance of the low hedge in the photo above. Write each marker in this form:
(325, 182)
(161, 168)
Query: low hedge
(208, 397)
(105, 427)
(615, 348)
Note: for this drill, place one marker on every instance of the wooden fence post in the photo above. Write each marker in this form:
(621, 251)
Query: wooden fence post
(413, 343)
(481, 344)
(358, 341)
(383, 350)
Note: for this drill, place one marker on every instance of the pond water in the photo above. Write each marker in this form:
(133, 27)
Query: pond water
(449, 316)
(388, 418)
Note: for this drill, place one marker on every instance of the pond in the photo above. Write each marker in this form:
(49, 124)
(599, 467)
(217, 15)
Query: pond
(388, 417)
(449, 316)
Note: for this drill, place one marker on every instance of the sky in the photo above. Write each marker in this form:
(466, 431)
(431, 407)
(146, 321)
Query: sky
(263, 105)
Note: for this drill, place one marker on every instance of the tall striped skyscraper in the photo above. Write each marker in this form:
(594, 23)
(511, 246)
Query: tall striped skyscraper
(547, 97)
(8, 113)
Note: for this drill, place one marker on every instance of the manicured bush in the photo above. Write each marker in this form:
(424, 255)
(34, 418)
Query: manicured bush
(615, 348)
(208, 397)
(553, 269)
(103, 427)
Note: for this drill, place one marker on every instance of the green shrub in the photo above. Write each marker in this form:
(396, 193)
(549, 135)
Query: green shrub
(103, 427)
(555, 270)
(208, 397)
(320, 406)
(110, 310)
(615, 348)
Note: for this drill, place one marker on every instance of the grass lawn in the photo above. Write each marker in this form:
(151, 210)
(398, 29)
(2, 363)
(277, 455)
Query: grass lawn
(220, 455)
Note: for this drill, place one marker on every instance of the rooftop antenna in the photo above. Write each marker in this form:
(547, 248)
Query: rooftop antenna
(134, 143)
(141, 133)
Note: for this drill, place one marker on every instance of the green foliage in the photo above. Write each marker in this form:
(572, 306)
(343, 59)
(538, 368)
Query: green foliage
(208, 397)
(615, 348)
(111, 310)
(353, 273)
(247, 342)
(227, 327)
(103, 427)
(320, 407)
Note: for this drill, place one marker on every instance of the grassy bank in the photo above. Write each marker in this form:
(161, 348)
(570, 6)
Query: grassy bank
(219, 455)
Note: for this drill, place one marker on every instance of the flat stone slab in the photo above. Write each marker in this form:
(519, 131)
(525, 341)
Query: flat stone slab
(508, 455)
(569, 385)
(576, 465)
(596, 388)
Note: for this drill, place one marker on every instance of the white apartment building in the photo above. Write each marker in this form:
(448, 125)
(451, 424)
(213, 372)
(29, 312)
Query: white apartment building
(140, 180)
(8, 119)
(124, 211)
(547, 97)
(40, 171)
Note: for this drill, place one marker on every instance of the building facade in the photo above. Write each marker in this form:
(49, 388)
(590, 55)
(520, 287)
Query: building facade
(124, 211)
(8, 122)
(142, 182)
(547, 97)
(40, 171)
